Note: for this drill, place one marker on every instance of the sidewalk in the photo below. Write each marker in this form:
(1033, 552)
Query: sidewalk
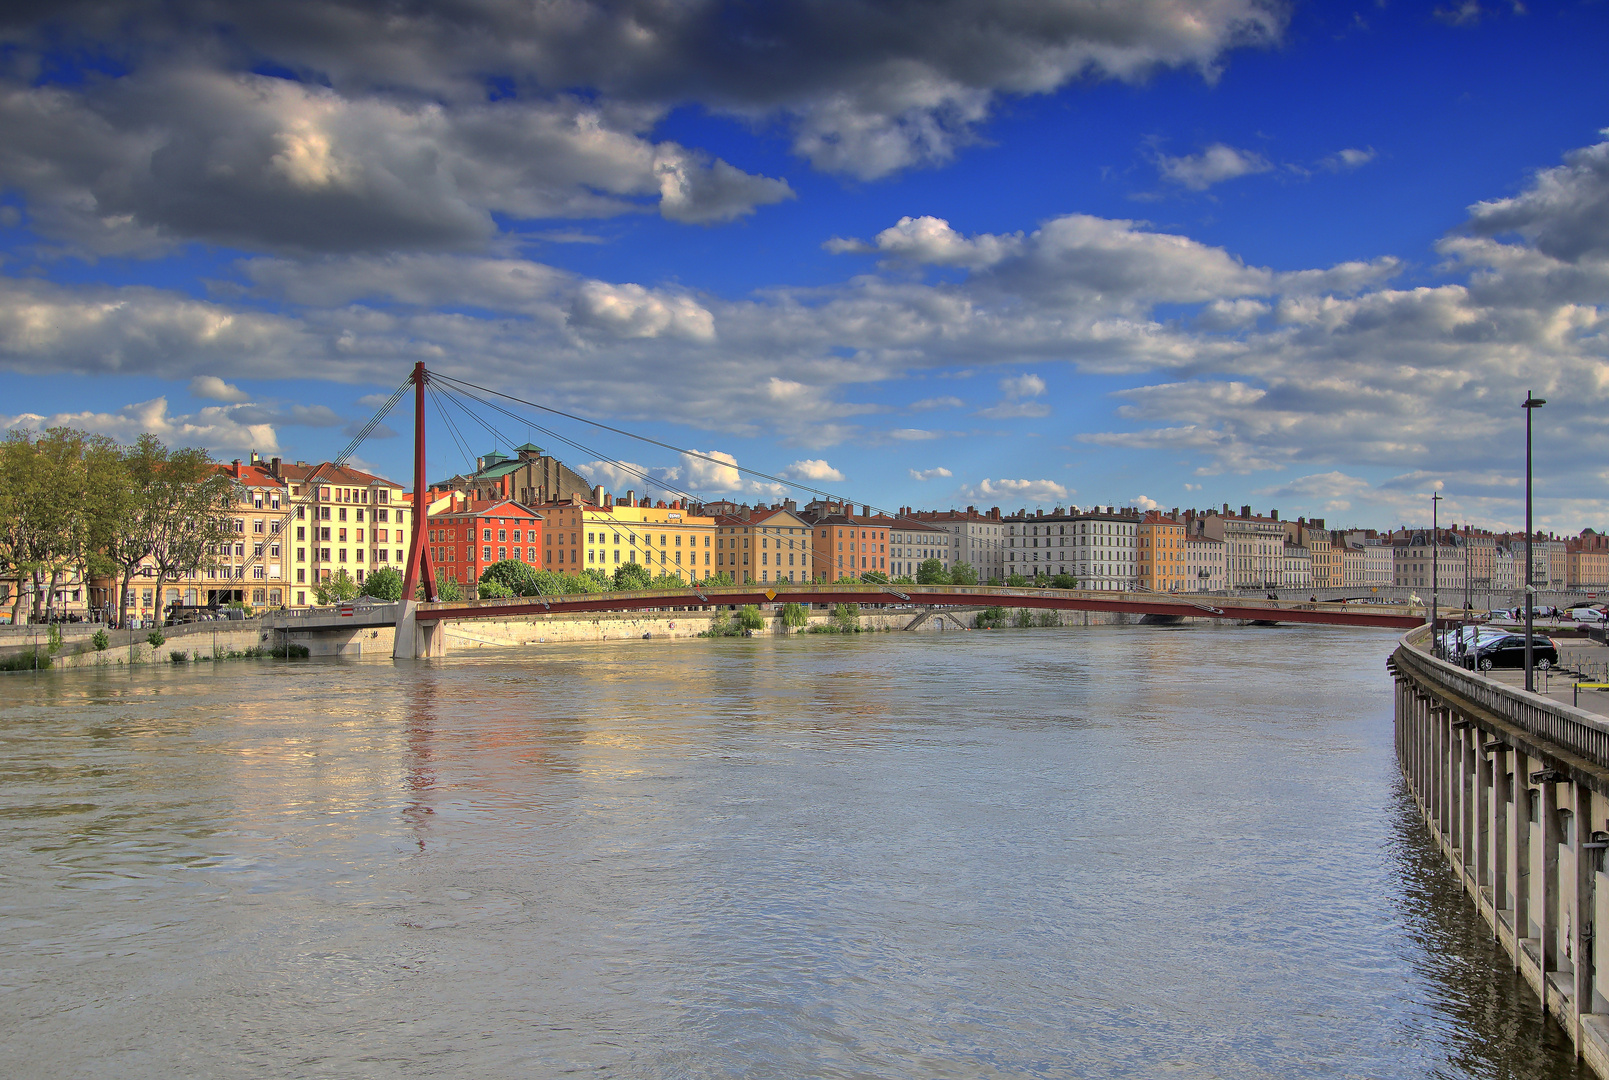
(1576, 656)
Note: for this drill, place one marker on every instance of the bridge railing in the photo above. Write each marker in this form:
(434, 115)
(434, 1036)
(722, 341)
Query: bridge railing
(1569, 728)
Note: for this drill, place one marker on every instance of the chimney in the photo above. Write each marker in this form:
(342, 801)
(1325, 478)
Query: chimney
(597, 495)
(865, 511)
(273, 467)
(631, 498)
(1274, 514)
(256, 459)
(1039, 513)
(608, 501)
(743, 512)
(1245, 511)
(994, 512)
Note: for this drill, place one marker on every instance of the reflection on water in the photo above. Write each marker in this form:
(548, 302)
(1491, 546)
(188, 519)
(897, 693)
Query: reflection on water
(1101, 852)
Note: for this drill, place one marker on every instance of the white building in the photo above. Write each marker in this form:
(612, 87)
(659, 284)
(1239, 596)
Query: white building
(1415, 561)
(1204, 564)
(912, 543)
(1254, 547)
(1099, 548)
(1297, 572)
(975, 538)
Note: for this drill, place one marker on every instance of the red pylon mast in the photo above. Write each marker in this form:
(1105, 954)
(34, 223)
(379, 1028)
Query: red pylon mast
(418, 549)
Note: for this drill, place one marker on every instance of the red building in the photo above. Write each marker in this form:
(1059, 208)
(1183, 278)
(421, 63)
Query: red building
(467, 536)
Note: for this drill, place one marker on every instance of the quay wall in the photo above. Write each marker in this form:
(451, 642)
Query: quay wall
(1514, 788)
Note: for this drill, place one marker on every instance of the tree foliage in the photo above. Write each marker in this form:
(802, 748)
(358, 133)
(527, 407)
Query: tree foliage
(749, 617)
(1064, 581)
(932, 572)
(632, 576)
(963, 573)
(338, 590)
(520, 579)
(383, 584)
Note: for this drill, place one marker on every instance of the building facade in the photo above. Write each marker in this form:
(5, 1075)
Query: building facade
(1163, 566)
(1254, 547)
(467, 536)
(1204, 564)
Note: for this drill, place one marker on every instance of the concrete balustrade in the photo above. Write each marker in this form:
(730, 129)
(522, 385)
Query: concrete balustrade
(1515, 789)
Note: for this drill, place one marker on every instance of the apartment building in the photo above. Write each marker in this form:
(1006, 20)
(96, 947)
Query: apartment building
(1098, 547)
(976, 538)
(914, 542)
(1296, 572)
(848, 545)
(1366, 559)
(1421, 560)
(1204, 564)
(663, 538)
(1326, 559)
(752, 546)
(1254, 547)
(1163, 566)
(466, 536)
(342, 518)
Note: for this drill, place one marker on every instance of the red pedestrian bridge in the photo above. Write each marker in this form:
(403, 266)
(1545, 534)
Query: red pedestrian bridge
(426, 617)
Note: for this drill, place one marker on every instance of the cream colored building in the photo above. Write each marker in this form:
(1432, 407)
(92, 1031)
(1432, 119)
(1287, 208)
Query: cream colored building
(663, 539)
(341, 519)
(1204, 564)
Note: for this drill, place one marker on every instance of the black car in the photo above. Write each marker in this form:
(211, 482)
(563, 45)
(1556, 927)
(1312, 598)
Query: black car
(1508, 651)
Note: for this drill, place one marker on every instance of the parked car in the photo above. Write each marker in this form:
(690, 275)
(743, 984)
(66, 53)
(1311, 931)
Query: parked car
(1508, 651)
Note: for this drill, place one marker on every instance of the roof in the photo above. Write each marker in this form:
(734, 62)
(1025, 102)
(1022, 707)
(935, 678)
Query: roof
(489, 508)
(328, 473)
(251, 475)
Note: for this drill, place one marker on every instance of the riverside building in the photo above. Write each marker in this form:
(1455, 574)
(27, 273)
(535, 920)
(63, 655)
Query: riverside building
(1163, 566)
(343, 519)
(466, 536)
(1254, 547)
(765, 545)
(914, 542)
(1204, 564)
(1099, 548)
(848, 545)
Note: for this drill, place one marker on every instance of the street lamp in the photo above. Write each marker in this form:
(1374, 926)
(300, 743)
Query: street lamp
(1532, 403)
(1435, 570)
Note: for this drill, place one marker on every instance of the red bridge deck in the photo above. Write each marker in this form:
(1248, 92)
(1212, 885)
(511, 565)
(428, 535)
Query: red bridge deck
(922, 596)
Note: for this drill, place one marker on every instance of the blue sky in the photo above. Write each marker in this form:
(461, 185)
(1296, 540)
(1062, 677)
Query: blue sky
(1304, 256)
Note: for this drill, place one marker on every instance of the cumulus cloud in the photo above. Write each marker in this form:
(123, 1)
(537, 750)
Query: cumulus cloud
(635, 312)
(1565, 211)
(1214, 165)
(1032, 491)
(215, 389)
(814, 470)
(929, 404)
(1144, 502)
(1012, 406)
(929, 474)
(216, 427)
(1350, 158)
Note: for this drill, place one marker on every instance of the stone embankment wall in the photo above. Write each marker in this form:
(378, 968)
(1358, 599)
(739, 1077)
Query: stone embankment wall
(1515, 789)
(657, 625)
(134, 648)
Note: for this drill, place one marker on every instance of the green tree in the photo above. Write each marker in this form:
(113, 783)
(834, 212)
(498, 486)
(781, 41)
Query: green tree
(846, 617)
(1064, 581)
(520, 579)
(794, 615)
(192, 497)
(720, 578)
(749, 617)
(904, 579)
(597, 580)
(447, 589)
(931, 572)
(338, 590)
(491, 589)
(963, 573)
(1017, 581)
(384, 584)
(632, 576)
(874, 577)
(1024, 618)
(990, 618)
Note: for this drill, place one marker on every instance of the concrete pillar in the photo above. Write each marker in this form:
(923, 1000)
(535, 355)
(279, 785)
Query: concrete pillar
(1502, 808)
(1519, 856)
(1580, 909)
(406, 645)
(1481, 831)
(1547, 864)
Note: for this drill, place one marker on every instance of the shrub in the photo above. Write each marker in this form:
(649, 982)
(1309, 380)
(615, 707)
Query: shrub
(179, 656)
(990, 618)
(1064, 581)
(102, 641)
(53, 639)
(1023, 619)
(31, 660)
(1017, 581)
(156, 638)
(874, 577)
(795, 615)
(491, 588)
(384, 584)
(749, 618)
(1048, 618)
(338, 589)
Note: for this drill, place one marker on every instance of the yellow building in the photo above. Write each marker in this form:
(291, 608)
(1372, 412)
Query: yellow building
(767, 546)
(664, 539)
(341, 519)
(1162, 553)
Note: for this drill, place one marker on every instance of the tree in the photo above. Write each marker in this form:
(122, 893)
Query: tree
(1064, 581)
(520, 579)
(597, 580)
(749, 617)
(632, 576)
(846, 617)
(492, 588)
(338, 590)
(874, 577)
(447, 589)
(931, 572)
(192, 497)
(963, 573)
(990, 618)
(794, 615)
(1017, 581)
(720, 578)
(383, 584)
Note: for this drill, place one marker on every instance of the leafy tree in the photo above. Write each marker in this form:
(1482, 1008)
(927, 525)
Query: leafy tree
(520, 579)
(338, 590)
(794, 615)
(632, 576)
(721, 578)
(846, 617)
(491, 588)
(1064, 581)
(192, 498)
(749, 617)
(963, 573)
(447, 589)
(874, 577)
(904, 579)
(384, 584)
(1017, 581)
(668, 581)
(931, 572)
(1048, 618)
(597, 580)
(1024, 619)
(848, 579)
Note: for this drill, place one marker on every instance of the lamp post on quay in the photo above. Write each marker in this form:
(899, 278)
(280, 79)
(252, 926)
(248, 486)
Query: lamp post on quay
(1532, 403)
(1435, 573)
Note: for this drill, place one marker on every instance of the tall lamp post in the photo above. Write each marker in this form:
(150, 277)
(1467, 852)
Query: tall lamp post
(1532, 403)
(1435, 571)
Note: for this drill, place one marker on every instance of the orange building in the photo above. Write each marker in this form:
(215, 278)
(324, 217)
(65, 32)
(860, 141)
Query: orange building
(1162, 553)
(849, 545)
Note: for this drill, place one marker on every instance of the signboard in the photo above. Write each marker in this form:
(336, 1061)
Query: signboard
(770, 594)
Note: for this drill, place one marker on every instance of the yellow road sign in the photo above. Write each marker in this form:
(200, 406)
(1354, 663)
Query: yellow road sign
(770, 594)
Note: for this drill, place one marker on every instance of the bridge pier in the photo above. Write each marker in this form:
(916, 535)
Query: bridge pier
(417, 640)
(1515, 788)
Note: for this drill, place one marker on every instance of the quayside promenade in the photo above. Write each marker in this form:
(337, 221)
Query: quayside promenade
(1514, 786)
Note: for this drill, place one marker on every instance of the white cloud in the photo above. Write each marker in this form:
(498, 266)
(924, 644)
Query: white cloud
(213, 428)
(1015, 388)
(1144, 502)
(1021, 386)
(814, 470)
(929, 474)
(632, 311)
(1032, 491)
(913, 434)
(1214, 165)
(928, 404)
(215, 389)
(1350, 158)
(930, 240)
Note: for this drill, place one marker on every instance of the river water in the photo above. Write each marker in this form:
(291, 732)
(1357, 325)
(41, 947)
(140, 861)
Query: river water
(1105, 852)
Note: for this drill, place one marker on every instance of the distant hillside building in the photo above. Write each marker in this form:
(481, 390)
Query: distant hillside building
(530, 478)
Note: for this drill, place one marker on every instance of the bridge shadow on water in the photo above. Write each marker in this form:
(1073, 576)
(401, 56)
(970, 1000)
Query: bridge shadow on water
(1498, 1030)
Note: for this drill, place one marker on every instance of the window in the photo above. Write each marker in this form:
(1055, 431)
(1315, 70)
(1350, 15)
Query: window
(486, 553)
(487, 535)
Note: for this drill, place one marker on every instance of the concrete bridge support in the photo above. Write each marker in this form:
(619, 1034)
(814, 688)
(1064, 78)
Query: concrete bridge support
(416, 639)
(1515, 790)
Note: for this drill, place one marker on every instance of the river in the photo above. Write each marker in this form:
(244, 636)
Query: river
(1104, 852)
